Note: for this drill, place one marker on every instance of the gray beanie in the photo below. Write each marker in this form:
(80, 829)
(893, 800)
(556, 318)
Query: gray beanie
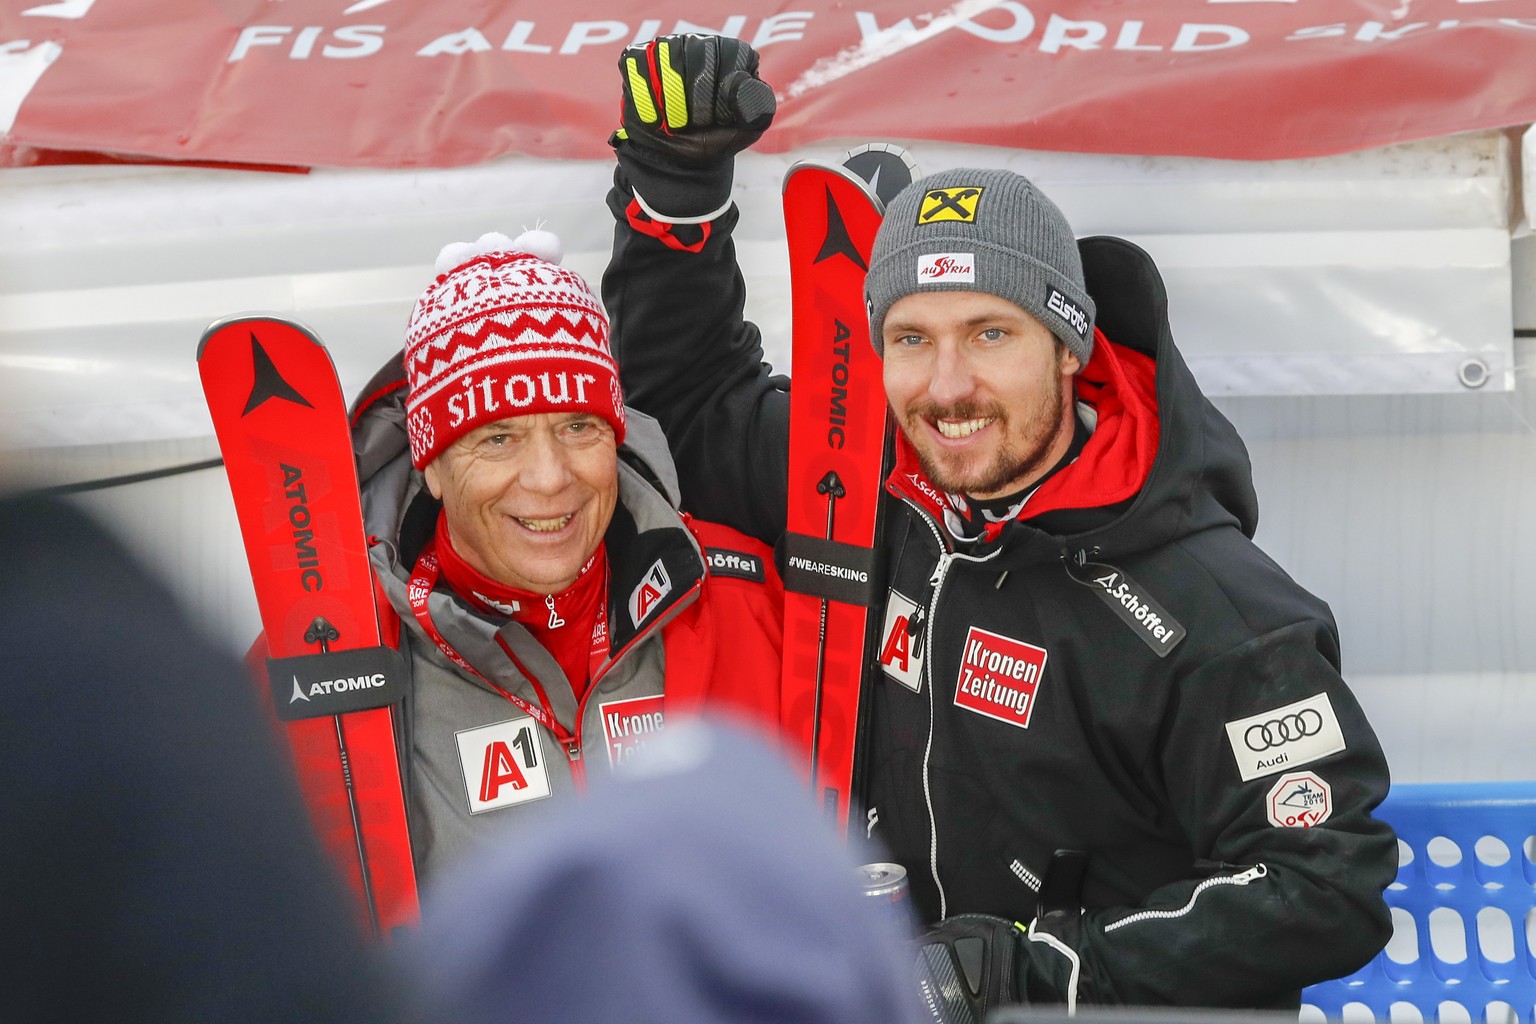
(986, 231)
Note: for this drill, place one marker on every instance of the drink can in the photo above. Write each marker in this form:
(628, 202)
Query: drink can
(886, 883)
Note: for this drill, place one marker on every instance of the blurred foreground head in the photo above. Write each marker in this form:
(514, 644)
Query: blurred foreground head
(699, 885)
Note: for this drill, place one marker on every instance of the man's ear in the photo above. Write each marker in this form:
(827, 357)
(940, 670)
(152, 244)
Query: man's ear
(1070, 364)
(434, 482)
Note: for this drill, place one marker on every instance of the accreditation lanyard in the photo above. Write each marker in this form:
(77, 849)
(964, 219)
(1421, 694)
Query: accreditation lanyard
(424, 580)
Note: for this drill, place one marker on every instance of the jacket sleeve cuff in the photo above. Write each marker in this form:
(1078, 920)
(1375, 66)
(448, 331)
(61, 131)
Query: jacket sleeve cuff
(673, 193)
(657, 215)
(1052, 970)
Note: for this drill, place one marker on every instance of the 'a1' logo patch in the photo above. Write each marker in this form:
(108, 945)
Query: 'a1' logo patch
(999, 677)
(901, 650)
(644, 598)
(629, 724)
(503, 765)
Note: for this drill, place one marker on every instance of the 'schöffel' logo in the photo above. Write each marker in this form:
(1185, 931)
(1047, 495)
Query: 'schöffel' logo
(957, 203)
(739, 564)
(946, 266)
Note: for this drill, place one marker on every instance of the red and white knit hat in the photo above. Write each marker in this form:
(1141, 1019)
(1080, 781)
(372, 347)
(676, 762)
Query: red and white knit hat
(504, 331)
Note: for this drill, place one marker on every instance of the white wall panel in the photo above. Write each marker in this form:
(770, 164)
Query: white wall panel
(1327, 304)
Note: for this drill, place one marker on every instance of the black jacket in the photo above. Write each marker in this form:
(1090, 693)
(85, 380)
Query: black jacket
(1119, 671)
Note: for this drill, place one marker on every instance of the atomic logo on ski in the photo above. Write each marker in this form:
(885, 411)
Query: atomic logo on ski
(838, 242)
(269, 383)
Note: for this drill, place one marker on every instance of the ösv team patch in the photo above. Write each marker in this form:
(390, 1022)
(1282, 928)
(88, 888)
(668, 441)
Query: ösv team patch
(999, 677)
(1299, 800)
(503, 764)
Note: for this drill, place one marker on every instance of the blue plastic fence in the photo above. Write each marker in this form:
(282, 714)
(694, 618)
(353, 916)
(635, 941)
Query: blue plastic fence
(1466, 889)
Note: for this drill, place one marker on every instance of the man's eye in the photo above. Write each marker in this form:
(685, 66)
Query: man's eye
(994, 334)
(908, 339)
(498, 440)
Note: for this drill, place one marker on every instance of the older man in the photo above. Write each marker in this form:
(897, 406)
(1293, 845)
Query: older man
(557, 608)
(1168, 797)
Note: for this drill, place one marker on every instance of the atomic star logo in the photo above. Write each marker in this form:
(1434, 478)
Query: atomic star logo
(268, 383)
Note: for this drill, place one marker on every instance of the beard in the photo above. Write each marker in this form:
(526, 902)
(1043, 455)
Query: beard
(1020, 454)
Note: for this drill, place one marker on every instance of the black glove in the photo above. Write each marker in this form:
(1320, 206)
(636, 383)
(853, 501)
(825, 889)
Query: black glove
(691, 103)
(969, 964)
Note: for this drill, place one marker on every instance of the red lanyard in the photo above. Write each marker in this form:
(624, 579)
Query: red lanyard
(424, 580)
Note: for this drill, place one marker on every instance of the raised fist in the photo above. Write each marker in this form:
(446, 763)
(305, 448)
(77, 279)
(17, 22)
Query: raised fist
(691, 103)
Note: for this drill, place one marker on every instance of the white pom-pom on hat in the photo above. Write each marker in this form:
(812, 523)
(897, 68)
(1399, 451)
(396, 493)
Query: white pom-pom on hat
(504, 316)
(545, 245)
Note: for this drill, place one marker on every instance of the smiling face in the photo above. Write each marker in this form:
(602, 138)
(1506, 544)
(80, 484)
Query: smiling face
(981, 389)
(529, 498)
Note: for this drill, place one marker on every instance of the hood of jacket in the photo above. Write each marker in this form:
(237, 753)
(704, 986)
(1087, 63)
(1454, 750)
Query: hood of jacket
(1162, 463)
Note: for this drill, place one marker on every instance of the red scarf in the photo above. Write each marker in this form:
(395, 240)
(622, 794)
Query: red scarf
(567, 625)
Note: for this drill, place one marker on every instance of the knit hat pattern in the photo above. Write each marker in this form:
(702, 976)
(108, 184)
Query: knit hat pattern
(505, 331)
(981, 230)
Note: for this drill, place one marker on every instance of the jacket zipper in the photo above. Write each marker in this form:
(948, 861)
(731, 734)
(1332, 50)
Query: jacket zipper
(935, 583)
(1241, 878)
(935, 586)
(1025, 875)
(678, 606)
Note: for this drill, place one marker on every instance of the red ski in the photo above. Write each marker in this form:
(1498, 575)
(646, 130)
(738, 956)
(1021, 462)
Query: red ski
(283, 429)
(839, 445)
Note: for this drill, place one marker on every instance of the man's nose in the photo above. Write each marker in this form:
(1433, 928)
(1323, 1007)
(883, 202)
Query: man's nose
(953, 378)
(546, 467)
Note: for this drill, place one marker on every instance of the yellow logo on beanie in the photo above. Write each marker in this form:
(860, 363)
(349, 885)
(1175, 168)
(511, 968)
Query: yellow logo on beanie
(956, 203)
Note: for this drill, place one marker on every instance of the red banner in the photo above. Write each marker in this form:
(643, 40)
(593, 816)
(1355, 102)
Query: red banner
(398, 83)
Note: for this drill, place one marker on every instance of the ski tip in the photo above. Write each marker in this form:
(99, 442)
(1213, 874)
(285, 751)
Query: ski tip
(886, 167)
(225, 322)
(838, 170)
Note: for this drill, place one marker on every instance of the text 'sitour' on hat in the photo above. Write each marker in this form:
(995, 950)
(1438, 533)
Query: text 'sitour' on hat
(505, 331)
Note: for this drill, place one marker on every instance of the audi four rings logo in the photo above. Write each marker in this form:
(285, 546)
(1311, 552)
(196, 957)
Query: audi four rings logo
(1279, 731)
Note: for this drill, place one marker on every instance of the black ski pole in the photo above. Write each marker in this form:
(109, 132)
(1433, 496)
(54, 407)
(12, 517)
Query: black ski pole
(323, 633)
(832, 487)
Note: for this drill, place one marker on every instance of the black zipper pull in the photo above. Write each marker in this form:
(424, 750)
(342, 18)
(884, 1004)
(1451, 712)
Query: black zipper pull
(915, 629)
